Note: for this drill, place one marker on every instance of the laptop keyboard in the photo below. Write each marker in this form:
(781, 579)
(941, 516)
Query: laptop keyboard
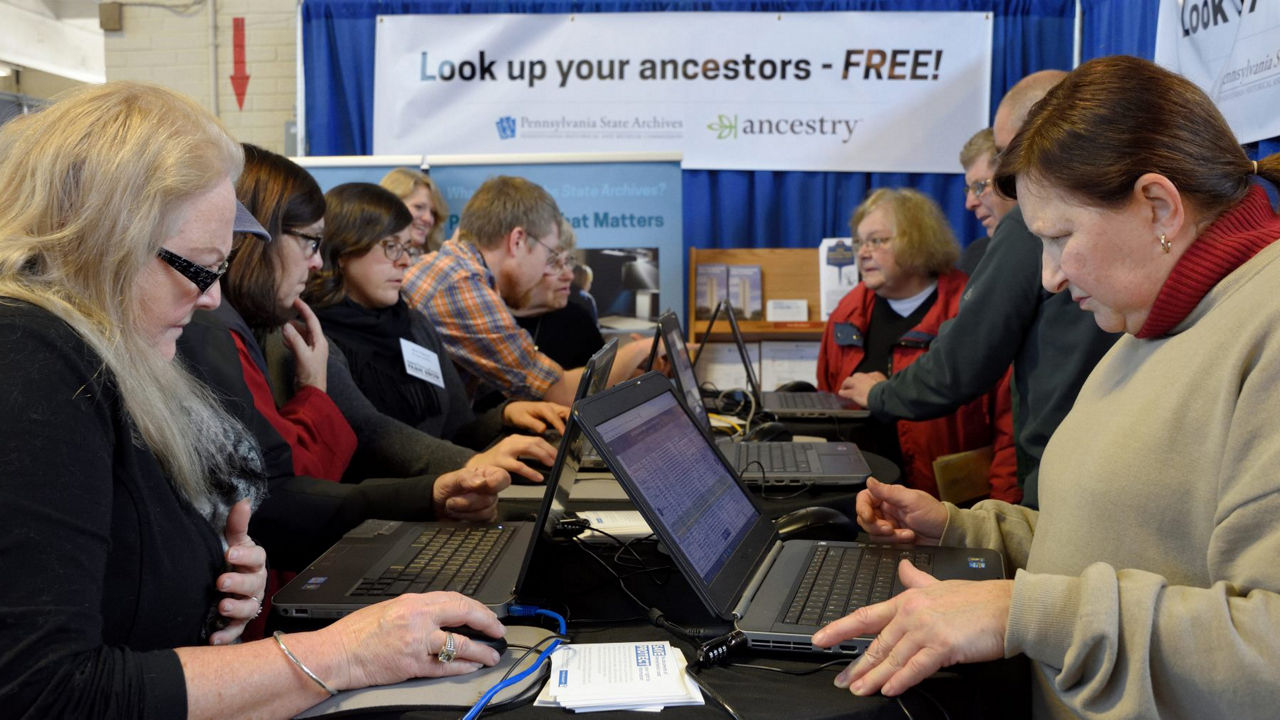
(774, 457)
(839, 580)
(801, 400)
(443, 559)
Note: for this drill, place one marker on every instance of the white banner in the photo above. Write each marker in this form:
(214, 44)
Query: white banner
(842, 91)
(1231, 49)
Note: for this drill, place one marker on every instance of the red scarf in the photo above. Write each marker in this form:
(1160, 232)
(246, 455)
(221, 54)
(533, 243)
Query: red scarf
(1224, 246)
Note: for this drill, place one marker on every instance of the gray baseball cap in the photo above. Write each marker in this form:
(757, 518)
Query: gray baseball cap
(247, 223)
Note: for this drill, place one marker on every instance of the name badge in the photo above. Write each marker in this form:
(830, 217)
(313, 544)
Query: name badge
(421, 363)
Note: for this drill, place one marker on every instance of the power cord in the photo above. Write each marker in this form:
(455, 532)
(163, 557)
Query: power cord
(521, 611)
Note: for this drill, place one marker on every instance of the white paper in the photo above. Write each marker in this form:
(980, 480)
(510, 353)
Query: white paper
(834, 282)
(618, 676)
(785, 361)
(421, 363)
(721, 366)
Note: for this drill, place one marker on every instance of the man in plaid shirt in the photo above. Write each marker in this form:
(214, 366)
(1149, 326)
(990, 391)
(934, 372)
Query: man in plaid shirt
(508, 237)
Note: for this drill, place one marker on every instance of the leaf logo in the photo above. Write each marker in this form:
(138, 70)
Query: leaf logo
(724, 127)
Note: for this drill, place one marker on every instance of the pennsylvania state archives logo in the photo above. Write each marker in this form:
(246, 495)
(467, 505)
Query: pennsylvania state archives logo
(724, 127)
(506, 127)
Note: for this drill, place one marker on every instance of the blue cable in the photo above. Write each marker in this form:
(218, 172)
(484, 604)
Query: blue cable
(520, 611)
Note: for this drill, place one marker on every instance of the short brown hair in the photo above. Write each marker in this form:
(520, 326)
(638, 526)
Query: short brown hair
(282, 196)
(1114, 119)
(502, 204)
(922, 239)
(357, 217)
(982, 143)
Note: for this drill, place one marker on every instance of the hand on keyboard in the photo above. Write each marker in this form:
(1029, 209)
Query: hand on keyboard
(929, 626)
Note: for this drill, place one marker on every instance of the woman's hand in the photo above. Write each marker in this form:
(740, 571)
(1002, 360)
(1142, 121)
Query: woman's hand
(401, 639)
(929, 626)
(506, 454)
(858, 386)
(246, 583)
(310, 349)
(470, 494)
(893, 513)
(535, 417)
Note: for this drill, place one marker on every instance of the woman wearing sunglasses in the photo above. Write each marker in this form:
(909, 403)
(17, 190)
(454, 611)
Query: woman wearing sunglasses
(126, 489)
(396, 357)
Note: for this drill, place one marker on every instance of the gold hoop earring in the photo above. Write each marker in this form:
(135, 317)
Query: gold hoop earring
(1165, 245)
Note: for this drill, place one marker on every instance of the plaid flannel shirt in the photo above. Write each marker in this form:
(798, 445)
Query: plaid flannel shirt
(456, 291)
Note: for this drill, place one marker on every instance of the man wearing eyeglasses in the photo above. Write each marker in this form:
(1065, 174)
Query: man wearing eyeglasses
(1005, 317)
(978, 158)
(508, 238)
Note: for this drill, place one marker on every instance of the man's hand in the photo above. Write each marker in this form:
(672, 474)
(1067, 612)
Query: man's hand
(470, 494)
(858, 386)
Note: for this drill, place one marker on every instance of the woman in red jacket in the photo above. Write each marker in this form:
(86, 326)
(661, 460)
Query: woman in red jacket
(909, 287)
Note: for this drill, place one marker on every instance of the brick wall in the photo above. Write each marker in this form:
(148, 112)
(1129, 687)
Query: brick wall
(172, 48)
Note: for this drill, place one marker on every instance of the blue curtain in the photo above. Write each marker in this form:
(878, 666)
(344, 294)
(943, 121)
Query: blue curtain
(722, 208)
(1128, 27)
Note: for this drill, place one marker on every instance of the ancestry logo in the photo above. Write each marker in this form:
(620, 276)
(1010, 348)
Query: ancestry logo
(730, 127)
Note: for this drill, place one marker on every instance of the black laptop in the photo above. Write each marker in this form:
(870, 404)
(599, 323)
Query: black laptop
(785, 405)
(764, 463)
(778, 592)
(380, 559)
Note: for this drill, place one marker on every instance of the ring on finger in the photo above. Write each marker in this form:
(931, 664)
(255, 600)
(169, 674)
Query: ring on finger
(449, 651)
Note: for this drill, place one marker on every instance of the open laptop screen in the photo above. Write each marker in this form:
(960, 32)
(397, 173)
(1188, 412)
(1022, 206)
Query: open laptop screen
(683, 479)
(686, 380)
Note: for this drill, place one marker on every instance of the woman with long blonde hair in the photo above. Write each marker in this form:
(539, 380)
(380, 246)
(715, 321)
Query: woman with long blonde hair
(126, 492)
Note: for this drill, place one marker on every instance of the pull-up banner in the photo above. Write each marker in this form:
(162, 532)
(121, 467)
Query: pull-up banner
(1231, 49)
(842, 91)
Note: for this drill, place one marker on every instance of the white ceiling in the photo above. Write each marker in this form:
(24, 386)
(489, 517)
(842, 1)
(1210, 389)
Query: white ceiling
(60, 37)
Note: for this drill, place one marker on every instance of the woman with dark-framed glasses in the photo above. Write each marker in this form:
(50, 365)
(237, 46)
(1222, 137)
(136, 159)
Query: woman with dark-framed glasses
(396, 356)
(126, 489)
(909, 286)
(265, 350)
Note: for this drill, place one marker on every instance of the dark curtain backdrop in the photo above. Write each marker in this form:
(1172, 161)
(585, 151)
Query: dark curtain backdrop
(733, 208)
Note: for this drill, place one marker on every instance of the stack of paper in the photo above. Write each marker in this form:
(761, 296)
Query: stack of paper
(618, 676)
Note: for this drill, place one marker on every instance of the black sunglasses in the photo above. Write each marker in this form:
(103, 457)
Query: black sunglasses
(200, 276)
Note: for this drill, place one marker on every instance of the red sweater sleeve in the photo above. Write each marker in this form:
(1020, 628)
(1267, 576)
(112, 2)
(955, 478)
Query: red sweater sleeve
(319, 437)
(1004, 458)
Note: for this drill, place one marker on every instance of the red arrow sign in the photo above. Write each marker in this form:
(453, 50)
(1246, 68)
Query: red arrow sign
(239, 77)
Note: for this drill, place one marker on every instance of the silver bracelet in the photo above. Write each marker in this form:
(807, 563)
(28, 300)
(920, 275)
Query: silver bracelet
(294, 659)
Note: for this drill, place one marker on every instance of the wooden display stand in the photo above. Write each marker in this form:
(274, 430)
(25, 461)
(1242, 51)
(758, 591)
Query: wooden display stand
(787, 274)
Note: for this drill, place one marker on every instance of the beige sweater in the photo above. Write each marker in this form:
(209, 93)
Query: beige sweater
(1148, 585)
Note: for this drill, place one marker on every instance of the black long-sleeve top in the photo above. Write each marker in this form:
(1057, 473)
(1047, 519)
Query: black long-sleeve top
(106, 569)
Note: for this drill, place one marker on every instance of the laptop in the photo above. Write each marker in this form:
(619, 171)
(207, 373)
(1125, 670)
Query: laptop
(785, 405)
(780, 463)
(380, 559)
(778, 592)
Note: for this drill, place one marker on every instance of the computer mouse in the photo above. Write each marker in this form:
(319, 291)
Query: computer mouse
(499, 644)
(769, 432)
(816, 522)
(797, 386)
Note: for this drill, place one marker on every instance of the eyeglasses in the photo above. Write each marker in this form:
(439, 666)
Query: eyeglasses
(396, 250)
(977, 187)
(557, 260)
(872, 242)
(310, 243)
(200, 276)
